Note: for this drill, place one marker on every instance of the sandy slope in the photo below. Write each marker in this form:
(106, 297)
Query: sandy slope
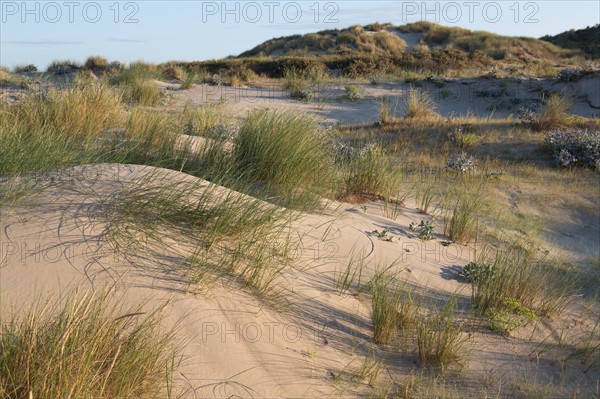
(234, 343)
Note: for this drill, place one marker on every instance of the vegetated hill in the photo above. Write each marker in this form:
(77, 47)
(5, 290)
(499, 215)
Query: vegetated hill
(586, 40)
(390, 40)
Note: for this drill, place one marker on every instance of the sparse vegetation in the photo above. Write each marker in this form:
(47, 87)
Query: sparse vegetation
(510, 315)
(523, 275)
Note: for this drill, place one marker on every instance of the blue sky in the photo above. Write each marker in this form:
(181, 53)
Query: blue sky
(39, 32)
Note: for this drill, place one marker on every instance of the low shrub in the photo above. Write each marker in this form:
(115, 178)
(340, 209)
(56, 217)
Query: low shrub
(576, 147)
(475, 272)
(26, 68)
(352, 93)
(462, 163)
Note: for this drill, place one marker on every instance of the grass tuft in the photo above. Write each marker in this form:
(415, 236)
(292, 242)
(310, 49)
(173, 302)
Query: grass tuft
(284, 151)
(85, 348)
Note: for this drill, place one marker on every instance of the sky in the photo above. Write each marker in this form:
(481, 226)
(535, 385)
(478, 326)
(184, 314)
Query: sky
(39, 32)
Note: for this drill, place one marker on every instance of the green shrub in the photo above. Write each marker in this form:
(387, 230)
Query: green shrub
(25, 68)
(425, 230)
(475, 272)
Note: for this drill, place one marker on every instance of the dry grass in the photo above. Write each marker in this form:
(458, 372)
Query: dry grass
(554, 113)
(419, 105)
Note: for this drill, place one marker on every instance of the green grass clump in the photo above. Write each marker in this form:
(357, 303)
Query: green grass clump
(392, 307)
(85, 348)
(297, 84)
(440, 337)
(202, 120)
(384, 309)
(188, 80)
(284, 151)
(142, 92)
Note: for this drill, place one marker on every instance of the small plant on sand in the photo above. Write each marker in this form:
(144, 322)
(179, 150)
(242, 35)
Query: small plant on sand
(462, 163)
(84, 348)
(419, 104)
(475, 272)
(440, 337)
(509, 316)
(384, 235)
(352, 93)
(425, 230)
